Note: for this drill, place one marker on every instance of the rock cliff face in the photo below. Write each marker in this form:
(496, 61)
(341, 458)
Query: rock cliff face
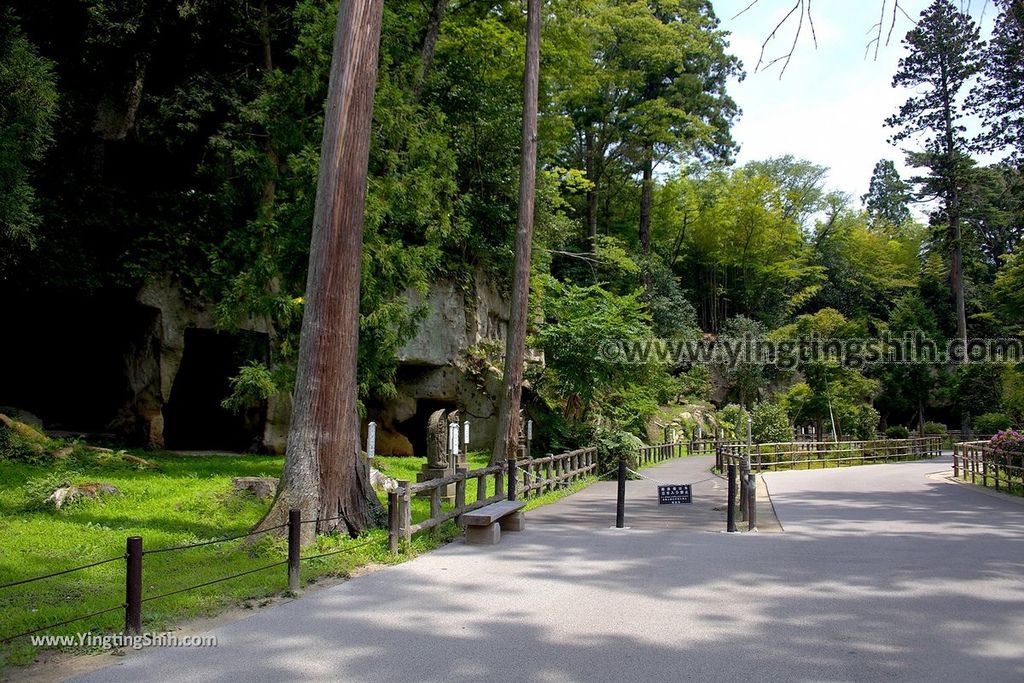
(449, 363)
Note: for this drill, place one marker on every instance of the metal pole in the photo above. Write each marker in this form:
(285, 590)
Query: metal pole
(752, 502)
(730, 515)
(294, 543)
(620, 505)
(133, 587)
(744, 494)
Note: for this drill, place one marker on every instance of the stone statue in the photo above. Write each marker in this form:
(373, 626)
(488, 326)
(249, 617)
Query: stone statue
(437, 441)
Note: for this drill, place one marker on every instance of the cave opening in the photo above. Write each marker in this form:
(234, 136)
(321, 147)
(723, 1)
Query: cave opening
(194, 418)
(415, 428)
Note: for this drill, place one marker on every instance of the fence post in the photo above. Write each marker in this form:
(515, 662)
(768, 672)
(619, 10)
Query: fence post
(511, 479)
(393, 526)
(956, 473)
(730, 515)
(752, 502)
(404, 511)
(133, 586)
(294, 538)
(460, 493)
(620, 504)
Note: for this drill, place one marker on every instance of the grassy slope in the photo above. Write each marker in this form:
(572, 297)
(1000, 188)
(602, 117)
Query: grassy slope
(186, 500)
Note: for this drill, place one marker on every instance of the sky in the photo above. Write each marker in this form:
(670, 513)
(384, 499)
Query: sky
(831, 104)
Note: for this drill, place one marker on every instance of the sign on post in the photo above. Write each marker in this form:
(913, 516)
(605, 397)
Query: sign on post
(371, 440)
(675, 494)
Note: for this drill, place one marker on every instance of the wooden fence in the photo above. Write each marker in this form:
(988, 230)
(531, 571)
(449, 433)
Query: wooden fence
(650, 455)
(771, 456)
(980, 463)
(538, 476)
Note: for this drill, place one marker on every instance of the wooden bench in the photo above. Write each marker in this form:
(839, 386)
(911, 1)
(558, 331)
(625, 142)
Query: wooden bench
(484, 525)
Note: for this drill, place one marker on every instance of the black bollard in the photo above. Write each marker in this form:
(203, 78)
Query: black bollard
(133, 587)
(294, 547)
(620, 505)
(730, 515)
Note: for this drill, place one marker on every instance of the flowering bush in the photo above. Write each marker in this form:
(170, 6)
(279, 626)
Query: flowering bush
(1009, 444)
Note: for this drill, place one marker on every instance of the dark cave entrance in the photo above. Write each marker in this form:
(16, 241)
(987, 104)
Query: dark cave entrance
(415, 428)
(193, 416)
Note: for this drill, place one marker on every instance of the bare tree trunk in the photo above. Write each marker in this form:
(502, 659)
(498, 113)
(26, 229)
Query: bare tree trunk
(646, 194)
(515, 344)
(324, 475)
(588, 150)
(429, 43)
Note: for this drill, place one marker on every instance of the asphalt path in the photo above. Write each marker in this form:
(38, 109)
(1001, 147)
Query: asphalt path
(884, 572)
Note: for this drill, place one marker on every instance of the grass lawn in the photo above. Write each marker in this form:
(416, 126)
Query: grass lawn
(185, 499)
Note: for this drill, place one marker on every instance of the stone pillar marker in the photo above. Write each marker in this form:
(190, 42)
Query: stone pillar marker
(371, 440)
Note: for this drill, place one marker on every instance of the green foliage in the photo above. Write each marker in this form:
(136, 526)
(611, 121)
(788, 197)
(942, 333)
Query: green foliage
(580, 323)
(990, 423)
(897, 432)
(253, 384)
(613, 445)
(1001, 88)
(888, 197)
(28, 105)
(771, 423)
(934, 429)
(733, 418)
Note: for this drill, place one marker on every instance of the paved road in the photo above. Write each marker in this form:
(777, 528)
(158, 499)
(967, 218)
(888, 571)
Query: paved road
(882, 574)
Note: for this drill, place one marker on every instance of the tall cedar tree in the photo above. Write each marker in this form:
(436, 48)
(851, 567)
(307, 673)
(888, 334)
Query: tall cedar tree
(507, 439)
(945, 54)
(887, 197)
(999, 97)
(324, 475)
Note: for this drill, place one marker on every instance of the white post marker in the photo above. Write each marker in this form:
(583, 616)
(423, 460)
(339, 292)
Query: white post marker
(453, 437)
(700, 433)
(371, 440)
(465, 434)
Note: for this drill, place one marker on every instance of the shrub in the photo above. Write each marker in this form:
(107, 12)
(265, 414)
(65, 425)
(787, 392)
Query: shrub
(897, 432)
(990, 423)
(613, 444)
(934, 428)
(865, 421)
(14, 446)
(771, 423)
(733, 419)
(1010, 444)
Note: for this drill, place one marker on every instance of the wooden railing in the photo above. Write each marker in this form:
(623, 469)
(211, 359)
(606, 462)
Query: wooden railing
(650, 455)
(534, 476)
(538, 476)
(769, 456)
(707, 446)
(976, 460)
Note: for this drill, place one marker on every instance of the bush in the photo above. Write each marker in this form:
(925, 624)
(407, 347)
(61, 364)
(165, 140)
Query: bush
(934, 428)
(771, 423)
(1010, 443)
(733, 418)
(897, 432)
(14, 446)
(990, 423)
(613, 444)
(865, 421)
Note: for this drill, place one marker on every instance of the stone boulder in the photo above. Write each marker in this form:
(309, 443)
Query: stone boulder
(73, 492)
(261, 487)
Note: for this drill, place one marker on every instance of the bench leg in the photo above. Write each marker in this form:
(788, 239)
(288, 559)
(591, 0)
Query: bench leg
(483, 535)
(513, 522)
